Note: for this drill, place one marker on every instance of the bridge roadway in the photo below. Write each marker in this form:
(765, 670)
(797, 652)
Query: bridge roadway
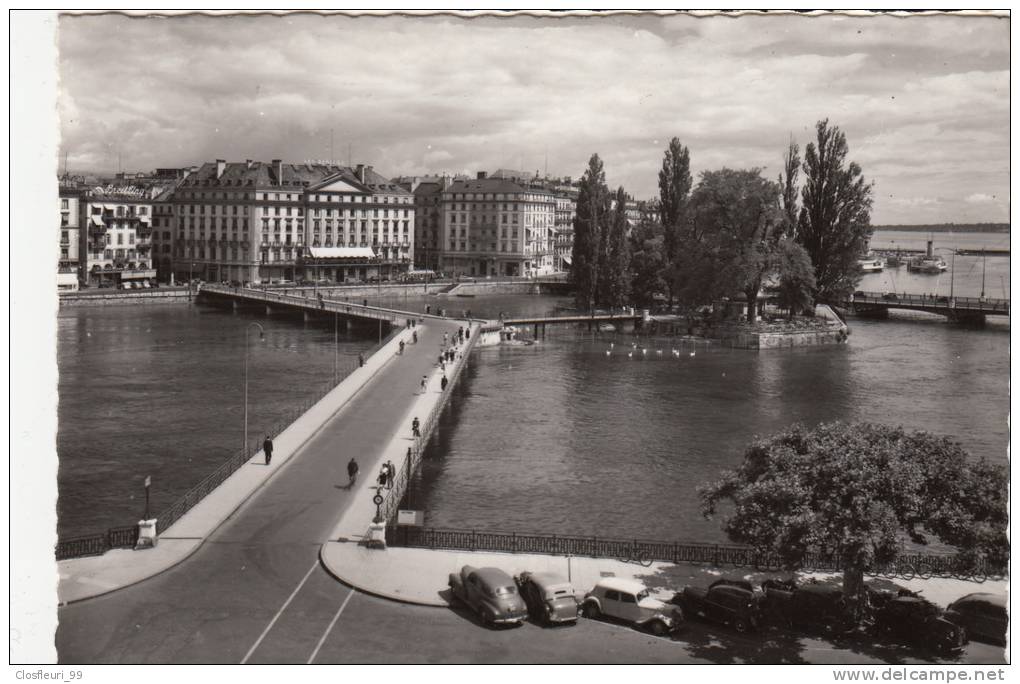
(226, 598)
(954, 308)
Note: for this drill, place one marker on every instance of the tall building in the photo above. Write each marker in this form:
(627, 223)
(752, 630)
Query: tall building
(115, 246)
(497, 227)
(163, 227)
(257, 222)
(70, 233)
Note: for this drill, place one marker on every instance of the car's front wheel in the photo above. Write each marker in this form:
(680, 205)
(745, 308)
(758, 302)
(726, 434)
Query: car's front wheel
(658, 627)
(591, 611)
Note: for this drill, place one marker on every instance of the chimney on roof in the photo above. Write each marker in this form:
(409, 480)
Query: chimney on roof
(247, 163)
(482, 175)
(278, 170)
(360, 172)
(221, 166)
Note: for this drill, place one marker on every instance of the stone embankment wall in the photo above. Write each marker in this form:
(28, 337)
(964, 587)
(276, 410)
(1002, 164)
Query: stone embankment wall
(168, 295)
(836, 333)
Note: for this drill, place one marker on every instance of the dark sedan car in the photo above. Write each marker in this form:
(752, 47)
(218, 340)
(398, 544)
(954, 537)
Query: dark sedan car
(913, 620)
(729, 602)
(983, 615)
(819, 607)
(550, 598)
(491, 593)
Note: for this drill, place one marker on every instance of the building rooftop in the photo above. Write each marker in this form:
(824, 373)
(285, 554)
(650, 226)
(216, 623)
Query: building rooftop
(493, 185)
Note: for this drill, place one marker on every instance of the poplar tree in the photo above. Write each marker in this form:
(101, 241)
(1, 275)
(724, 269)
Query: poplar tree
(589, 223)
(674, 190)
(614, 277)
(835, 217)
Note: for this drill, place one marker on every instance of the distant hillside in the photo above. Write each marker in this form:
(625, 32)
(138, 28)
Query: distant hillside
(951, 228)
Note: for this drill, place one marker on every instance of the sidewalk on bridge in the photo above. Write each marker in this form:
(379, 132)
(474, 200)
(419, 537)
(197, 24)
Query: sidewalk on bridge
(420, 576)
(82, 578)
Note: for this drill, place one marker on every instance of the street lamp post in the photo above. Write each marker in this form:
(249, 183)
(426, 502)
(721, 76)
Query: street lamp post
(336, 344)
(262, 334)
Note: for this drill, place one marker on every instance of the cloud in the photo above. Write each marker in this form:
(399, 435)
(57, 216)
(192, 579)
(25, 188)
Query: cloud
(980, 198)
(923, 101)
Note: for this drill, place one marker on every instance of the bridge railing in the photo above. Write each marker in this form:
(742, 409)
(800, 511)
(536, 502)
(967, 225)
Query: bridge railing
(990, 305)
(412, 460)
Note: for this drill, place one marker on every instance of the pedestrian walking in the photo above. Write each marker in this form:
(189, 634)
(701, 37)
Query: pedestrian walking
(401, 347)
(391, 472)
(428, 309)
(416, 427)
(384, 473)
(414, 336)
(267, 449)
(352, 471)
(446, 338)
(424, 383)
(440, 359)
(443, 383)
(361, 360)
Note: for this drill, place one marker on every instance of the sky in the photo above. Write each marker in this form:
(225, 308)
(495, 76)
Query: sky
(923, 101)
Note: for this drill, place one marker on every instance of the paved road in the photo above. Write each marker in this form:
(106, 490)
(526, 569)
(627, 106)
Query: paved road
(256, 592)
(215, 606)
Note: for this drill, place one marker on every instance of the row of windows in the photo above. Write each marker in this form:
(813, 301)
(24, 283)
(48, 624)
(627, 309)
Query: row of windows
(503, 247)
(525, 197)
(120, 212)
(363, 213)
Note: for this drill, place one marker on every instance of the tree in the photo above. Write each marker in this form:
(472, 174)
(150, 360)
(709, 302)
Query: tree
(614, 278)
(861, 491)
(647, 258)
(674, 189)
(788, 183)
(796, 276)
(835, 216)
(589, 222)
(735, 227)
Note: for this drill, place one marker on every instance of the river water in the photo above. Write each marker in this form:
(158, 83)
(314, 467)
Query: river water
(557, 437)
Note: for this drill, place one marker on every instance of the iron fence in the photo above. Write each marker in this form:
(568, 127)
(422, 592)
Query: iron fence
(718, 555)
(99, 543)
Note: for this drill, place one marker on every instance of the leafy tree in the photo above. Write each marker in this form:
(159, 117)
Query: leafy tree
(860, 491)
(674, 190)
(647, 258)
(835, 216)
(735, 228)
(590, 220)
(614, 281)
(796, 276)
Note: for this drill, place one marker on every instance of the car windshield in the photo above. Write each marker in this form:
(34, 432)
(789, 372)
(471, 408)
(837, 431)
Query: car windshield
(642, 595)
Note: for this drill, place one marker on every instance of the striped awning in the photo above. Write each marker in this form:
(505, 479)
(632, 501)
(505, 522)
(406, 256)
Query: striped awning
(341, 252)
(97, 220)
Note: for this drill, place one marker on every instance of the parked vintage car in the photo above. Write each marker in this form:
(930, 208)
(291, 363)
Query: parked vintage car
(983, 615)
(629, 601)
(913, 620)
(550, 598)
(491, 593)
(818, 607)
(730, 602)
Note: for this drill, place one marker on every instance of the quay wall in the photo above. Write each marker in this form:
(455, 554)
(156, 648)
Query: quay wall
(167, 295)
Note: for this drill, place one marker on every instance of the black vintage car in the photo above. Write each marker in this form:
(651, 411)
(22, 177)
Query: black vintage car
(817, 607)
(730, 602)
(913, 620)
(983, 615)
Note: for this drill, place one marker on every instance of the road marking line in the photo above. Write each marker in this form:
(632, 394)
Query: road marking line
(279, 613)
(330, 628)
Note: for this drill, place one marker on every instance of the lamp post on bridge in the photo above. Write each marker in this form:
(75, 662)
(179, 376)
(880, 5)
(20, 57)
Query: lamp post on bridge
(262, 334)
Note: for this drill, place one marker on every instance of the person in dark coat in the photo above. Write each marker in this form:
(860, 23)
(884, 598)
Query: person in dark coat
(416, 427)
(443, 383)
(267, 449)
(391, 472)
(352, 471)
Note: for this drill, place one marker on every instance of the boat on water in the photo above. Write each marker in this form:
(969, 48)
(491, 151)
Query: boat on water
(925, 264)
(928, 262)
(871, 264)
(894, 260)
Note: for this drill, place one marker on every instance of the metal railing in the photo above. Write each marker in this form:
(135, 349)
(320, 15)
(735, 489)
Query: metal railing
(413, 458)
(663, 551)
(965, 304)
(97, 544)
(121, 536)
